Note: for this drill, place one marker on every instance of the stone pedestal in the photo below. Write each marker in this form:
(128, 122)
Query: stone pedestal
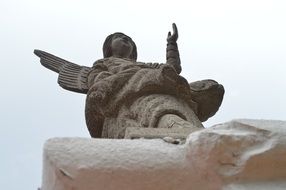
(241, 154)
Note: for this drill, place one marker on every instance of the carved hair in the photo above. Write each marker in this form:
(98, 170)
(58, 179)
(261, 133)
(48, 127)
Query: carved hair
(107, 52)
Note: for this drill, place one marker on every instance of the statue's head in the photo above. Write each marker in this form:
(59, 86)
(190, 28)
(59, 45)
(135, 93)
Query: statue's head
(120, 45)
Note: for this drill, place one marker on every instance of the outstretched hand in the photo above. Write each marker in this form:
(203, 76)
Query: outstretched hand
(173, 37)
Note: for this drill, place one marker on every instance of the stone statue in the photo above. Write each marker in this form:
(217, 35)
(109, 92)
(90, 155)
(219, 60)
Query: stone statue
(123, 93)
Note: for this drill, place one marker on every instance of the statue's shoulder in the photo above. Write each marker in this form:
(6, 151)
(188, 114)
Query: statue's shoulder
(112, 60)
(101, 61)
(140, 63)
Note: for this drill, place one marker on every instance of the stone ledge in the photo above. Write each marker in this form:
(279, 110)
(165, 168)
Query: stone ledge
(241, 154)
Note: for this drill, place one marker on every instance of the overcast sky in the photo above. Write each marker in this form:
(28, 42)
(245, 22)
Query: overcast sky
(241, 44)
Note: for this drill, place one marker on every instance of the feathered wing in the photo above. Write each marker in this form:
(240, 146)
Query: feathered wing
(208, 94)
(72, 77)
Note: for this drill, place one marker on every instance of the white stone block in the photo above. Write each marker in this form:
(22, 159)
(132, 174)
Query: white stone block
(238, 155)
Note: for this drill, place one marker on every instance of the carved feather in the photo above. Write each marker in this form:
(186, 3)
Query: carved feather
(72, 77)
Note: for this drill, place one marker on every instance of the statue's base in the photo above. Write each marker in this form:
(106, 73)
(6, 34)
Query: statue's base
(242, 154)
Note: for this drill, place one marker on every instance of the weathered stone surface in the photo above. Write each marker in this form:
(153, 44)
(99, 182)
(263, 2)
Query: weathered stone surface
(168, 126)
(151, 133)
(122, 92)
(239, 155)
(242, 154)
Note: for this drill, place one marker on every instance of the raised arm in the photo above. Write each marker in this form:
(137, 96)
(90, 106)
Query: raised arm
(172, 54)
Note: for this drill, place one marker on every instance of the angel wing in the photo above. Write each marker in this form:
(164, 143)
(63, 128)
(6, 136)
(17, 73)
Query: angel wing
(208, 94)
(72, 77)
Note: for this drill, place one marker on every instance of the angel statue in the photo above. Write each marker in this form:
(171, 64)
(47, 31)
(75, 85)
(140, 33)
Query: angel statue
(122, 92)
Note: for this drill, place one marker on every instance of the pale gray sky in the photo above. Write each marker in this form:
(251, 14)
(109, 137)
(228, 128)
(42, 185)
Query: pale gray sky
(241, 44)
